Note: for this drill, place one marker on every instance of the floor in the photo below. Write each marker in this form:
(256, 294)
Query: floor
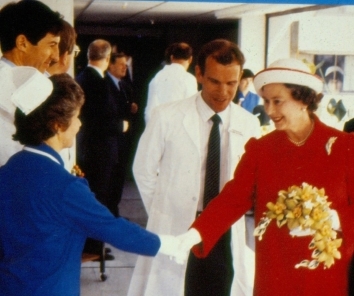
(120, 270)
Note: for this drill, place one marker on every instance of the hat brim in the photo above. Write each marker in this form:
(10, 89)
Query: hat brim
(291, 76)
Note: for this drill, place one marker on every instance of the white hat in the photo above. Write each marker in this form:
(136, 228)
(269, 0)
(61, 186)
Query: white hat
(291, 71)
(25, 87)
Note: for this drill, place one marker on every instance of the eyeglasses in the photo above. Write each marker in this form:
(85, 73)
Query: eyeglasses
(76, 51)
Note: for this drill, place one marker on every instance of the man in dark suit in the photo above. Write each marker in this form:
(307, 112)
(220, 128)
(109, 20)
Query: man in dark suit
(94, 136)
(121, 109)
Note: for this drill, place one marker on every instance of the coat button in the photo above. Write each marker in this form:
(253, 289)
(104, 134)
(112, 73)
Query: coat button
(194, 198)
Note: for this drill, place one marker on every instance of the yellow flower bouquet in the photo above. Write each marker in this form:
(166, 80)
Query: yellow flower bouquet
(306, 211)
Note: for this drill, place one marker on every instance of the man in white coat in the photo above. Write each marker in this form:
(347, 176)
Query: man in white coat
(31, 41)
(173, 82)
(170, 163)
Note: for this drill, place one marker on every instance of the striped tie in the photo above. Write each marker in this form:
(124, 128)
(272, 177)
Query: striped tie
(212, 173)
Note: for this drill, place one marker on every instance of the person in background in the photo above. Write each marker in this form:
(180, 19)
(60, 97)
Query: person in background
(120, 108)
(173, 82)
(58, 209)
(92, 156)
(291, 174)
(170, 170)
(349, 126)
(244, 96)
(25, 41)
(67, 50)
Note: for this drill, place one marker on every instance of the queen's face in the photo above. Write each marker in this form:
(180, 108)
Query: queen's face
(286, 112)
(67, 137)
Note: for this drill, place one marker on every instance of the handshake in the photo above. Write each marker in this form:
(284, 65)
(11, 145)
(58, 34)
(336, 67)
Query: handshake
(178, 247)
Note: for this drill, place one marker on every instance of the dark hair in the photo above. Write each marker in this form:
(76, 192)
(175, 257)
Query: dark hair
(247, 73)
(67, 39)
(61, 105)
(98, 49)
(30, 18)
(306, 95)
(223, 51)
(179, 50)
(115, 56)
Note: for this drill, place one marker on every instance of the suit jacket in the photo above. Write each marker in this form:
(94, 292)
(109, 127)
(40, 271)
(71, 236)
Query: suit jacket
(96, 141)
(167, 170)
(119, 104)
(349, 126)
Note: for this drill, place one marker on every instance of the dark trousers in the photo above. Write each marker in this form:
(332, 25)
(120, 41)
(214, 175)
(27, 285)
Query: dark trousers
(212, 275)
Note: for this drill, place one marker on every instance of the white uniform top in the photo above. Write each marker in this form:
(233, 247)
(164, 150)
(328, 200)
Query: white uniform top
(8, 147)
(170, 84)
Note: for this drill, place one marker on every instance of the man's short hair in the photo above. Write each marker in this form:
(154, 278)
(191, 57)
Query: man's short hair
(67, 39)
(116, 55)
(98, 49)
(30, 18)
(223, 51)
(179, 51)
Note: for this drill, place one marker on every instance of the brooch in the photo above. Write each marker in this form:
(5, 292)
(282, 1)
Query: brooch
(329, 144)
(76, 171)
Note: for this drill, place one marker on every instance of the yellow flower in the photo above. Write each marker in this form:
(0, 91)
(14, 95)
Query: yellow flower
(318, 214)
(305, 207)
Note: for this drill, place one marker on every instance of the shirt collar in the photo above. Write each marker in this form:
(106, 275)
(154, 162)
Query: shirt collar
(47, 149)
(206, 112)
(115, 79)
(11, 64)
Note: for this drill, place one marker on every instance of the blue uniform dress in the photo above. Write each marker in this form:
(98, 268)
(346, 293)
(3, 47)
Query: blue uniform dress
(46, 215)
(250, 101)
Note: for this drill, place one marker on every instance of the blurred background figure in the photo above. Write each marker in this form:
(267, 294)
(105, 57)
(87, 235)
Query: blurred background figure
(267, 125)
(94, 136)
(173, 82)
(244, 96)
(120, 111)
(67, 50)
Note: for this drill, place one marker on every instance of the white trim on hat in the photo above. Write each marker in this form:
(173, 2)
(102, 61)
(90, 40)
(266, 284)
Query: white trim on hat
(287, 75)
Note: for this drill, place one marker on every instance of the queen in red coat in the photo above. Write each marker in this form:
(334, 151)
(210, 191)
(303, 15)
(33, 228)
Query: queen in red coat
(301, 152)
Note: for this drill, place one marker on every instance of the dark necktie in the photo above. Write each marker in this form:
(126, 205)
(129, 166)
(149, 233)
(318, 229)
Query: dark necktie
(212, 173)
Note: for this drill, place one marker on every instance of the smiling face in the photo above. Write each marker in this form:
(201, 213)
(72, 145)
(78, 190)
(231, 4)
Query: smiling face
(287, 113)
(42, 54)
(219, 83)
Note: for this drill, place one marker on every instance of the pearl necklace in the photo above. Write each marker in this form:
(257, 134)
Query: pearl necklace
(302, 142)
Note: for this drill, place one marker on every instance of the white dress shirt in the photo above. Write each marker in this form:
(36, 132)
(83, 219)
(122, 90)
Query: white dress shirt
(205, 113)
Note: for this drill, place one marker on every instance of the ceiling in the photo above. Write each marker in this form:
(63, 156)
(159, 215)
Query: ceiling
(129, 13)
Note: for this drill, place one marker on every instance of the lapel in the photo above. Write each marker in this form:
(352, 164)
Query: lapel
(237, 137)
(191, 121)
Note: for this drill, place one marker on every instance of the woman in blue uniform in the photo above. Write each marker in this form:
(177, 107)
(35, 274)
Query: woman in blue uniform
(47, 213)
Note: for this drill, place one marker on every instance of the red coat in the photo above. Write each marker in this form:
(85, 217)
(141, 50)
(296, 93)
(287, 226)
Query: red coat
(273, 163)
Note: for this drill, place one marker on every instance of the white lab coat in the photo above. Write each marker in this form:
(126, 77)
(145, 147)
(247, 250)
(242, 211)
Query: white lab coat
(170, 84)
(8, 147)
(171, 196)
